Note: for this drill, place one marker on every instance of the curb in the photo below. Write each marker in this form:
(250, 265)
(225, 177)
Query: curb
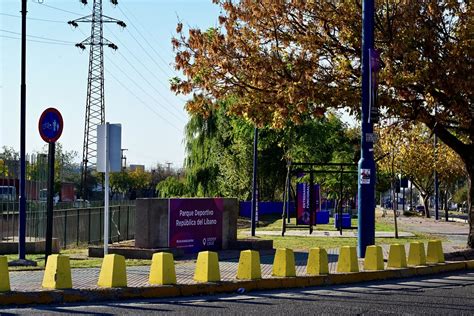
(94, 295)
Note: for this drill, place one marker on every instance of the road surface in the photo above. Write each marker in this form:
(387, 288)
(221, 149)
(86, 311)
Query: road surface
(446, 294)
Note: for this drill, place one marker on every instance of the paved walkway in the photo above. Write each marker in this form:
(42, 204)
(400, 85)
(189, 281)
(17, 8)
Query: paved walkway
(86, 278)
(320, 233)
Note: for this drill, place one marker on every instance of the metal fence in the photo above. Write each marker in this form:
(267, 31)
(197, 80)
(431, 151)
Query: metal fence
(74, 222)
(72, 226)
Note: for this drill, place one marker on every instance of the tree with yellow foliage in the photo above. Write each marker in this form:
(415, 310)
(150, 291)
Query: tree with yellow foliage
(284, 60)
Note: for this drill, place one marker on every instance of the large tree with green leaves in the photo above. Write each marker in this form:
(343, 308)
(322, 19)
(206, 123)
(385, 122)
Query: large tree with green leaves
(219, 153)
(285, 59)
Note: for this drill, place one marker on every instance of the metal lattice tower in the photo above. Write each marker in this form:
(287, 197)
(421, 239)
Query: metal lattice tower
(95, 103)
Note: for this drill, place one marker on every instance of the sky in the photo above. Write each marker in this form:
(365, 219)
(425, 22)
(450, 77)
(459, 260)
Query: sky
(137, 75)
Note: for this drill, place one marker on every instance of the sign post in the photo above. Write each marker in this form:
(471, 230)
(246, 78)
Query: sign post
(109, 159)
(50, 127)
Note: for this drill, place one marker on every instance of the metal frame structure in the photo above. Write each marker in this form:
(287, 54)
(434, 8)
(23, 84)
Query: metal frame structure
(308, 168)
(95, 101)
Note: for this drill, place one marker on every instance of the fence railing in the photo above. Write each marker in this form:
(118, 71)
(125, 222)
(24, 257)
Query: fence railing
(72, 226)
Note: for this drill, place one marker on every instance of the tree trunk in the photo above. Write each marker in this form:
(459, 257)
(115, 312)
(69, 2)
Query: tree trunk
(425, 203)
(470, 200)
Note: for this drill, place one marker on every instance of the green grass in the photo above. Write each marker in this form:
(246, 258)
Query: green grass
(305, 243)
(274, 223)
(78, 259)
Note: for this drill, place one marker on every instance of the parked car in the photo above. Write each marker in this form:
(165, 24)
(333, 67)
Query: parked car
(420, 208)
(7, 193)
(81, 203)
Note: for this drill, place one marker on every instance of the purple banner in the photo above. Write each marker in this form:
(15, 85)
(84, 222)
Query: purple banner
(302, 205)
(195, 224)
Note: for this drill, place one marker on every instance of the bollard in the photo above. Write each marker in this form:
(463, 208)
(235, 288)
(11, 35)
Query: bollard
(207, 267)
(162, 271)
(317, 262)
(347, 261)
(4, 276)
(434, 253)
(284, 263)
(57, 274)
(373, 258)
(249, 265)
(397, 257)
(113, 272)
(416, 254)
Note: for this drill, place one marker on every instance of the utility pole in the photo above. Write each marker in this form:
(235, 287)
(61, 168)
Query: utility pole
(436, 182)
(366, 172)
(95, 103)
(253, 214)
(169, 166)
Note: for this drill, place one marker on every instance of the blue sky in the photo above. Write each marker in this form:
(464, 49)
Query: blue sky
(136, 75)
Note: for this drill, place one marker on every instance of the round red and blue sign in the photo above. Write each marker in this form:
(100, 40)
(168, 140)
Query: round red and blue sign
(50, 125)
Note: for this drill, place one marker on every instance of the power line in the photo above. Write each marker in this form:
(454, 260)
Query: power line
(149, 71)
(152, 86)
(55, 8)
(144, 38)
(36, 41)
(40, 37)
(34, 19)
(141, 88)
(141, 101)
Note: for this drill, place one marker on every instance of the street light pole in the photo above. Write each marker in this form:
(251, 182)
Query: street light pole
(436, 182)
(254, 183)
(22, 211)
(366, 170)
(22, 194)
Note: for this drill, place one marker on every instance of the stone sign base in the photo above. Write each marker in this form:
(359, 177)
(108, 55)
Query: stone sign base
(33, 245)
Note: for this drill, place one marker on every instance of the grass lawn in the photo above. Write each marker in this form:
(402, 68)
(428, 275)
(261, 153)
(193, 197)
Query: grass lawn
(78, 259)
(304, 243)
(274, 223)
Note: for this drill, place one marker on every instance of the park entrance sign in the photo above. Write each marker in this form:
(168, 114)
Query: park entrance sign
(195, 224)
(188, 225)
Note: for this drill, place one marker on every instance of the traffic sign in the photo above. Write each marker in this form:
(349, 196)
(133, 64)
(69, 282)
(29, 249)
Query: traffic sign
(50, 125)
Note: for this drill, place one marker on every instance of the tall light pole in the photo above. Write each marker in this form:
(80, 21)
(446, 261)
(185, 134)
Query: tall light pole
(22, 198)
(253, 214)
(22, 210)
(366, 170)
(436, 182)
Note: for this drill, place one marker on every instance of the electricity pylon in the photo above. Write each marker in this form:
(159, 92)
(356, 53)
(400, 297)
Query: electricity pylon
(95, 103)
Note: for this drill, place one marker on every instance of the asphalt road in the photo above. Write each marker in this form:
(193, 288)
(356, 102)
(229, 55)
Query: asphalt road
(447, 294)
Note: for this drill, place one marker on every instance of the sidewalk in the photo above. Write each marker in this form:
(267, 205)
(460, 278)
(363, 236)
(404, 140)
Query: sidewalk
(86, 278)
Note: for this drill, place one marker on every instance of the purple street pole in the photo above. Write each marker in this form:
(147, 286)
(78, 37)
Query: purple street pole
(366, 172)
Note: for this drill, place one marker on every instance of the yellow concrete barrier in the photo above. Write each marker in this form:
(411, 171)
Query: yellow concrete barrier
(397, 257)
(317, 262)
(207, 267)
(416, 254)
(113, 272)
(284, 263)
(373, 258)
(4, 276)
(162, 271)
(434, 253)
(347, 261)
(249, 265)
(57, 274)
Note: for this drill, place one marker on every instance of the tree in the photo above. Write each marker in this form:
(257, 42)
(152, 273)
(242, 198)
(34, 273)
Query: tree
(171, 187)
(120, 182)
(411, 154)
(220, 154)
(287, 59)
